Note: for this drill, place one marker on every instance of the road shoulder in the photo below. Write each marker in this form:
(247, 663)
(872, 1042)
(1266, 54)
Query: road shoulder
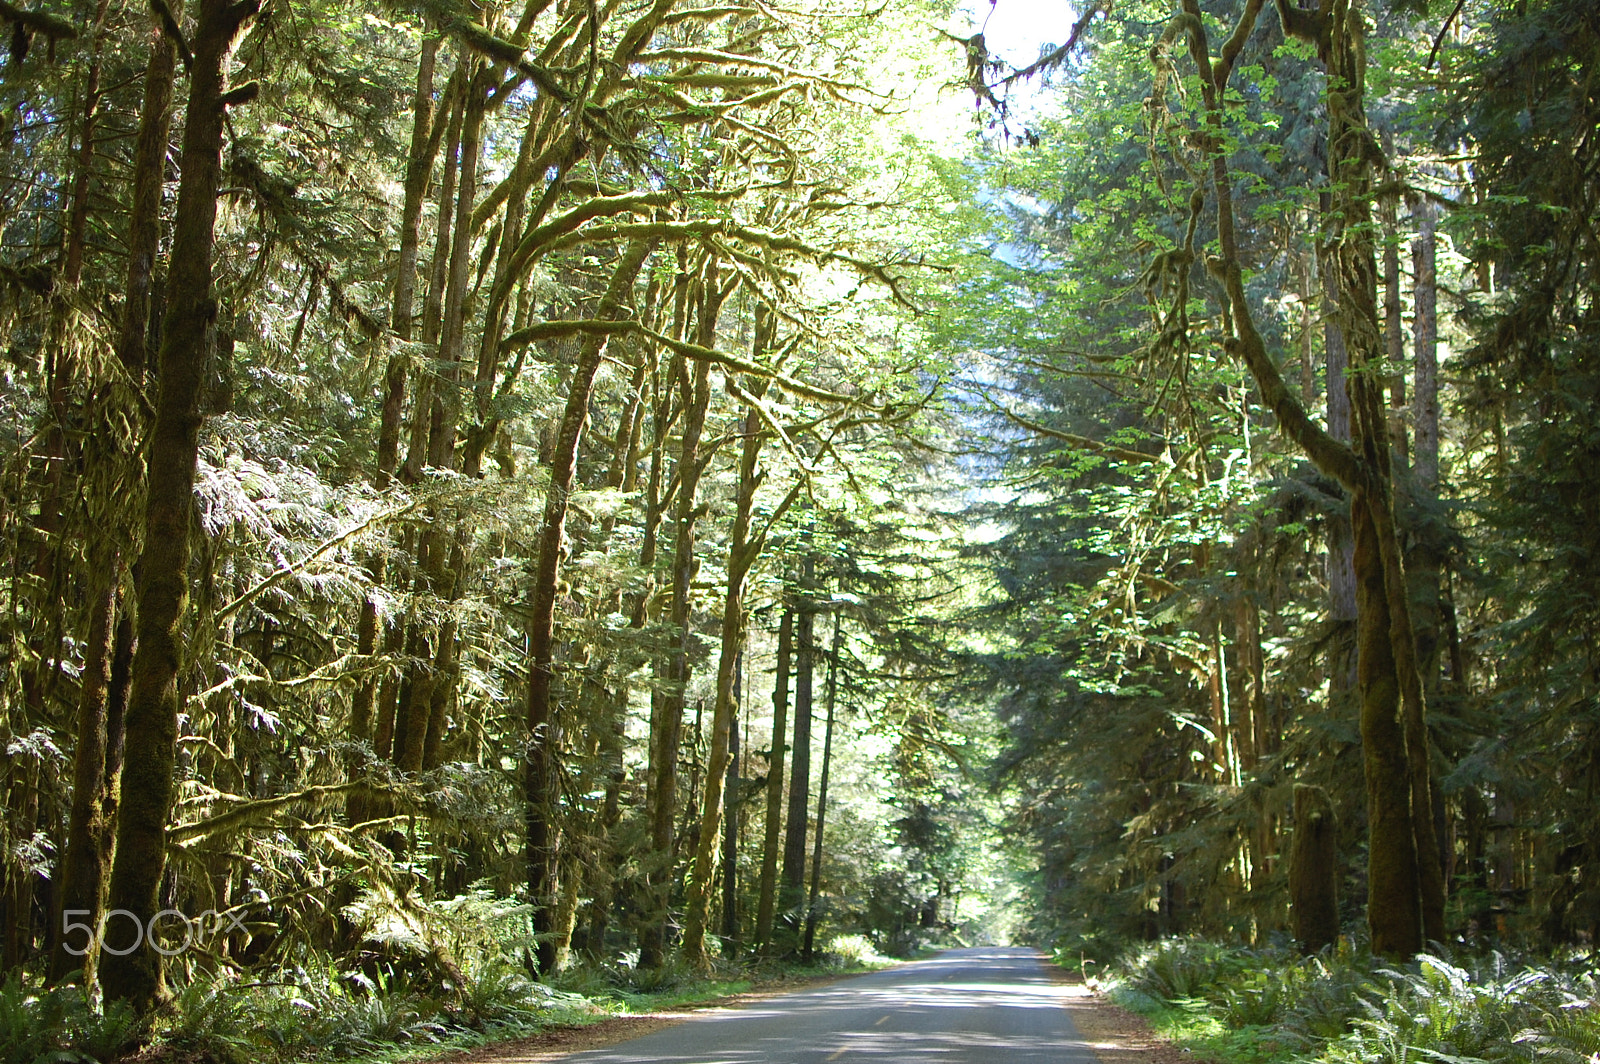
(1116, 1035)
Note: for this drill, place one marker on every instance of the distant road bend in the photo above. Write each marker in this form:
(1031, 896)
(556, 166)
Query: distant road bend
(967, 1006)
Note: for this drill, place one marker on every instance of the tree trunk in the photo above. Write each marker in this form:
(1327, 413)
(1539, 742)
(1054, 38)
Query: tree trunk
(433, 424)
(1425, 558)
(1391, 693)
(432, 691)
(1308, 316)
(741, 556)
(1341, 539)
(1343, 52)
(1394, 900)
(793, 893)
(425, 136)
(163, 571)
(612, 727)
(1393, 328)
(86, 865)
(1424, 566)
(766, 905)
(815, 893)
(664, 753)
(452, 340)
(603, 873)
(144, 219)
(438, 275)
(732, 799)
(540, 770)
(91, 835)
(1314, 870)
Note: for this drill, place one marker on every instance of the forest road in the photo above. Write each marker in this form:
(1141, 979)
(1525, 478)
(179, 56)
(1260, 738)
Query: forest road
(965, 1006)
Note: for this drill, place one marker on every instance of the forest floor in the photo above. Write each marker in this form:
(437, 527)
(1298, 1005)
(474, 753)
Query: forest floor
(1116, 1035)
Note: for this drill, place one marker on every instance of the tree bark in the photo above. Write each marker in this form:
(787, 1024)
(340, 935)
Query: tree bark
(425, 136)
(742, 554)
(540, 769)
(163, 571)
(438, 274)
(426, 133)
(1394, 899)
(1314, 870)
(144, 216)
(1401, 899)
(793, 892)
(732, 799)
(1340, 562)
(814, 896)
(1426, 560)
(1393, 328)
(86, 865)
(426, 446)
(664, 753)
(766, 905)
(91, 833)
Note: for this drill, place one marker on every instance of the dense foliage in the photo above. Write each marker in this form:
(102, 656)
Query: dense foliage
(1180, 648)
(438, 434)
(504, 504)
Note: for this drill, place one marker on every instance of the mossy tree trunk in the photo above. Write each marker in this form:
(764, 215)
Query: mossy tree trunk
(744, 548)
(1314, 870)
(814, 892)
(708, 297)
(540, 770)
(163, 572)
(792, 889)
(767, 900)
(97, 765)
(1406, 895)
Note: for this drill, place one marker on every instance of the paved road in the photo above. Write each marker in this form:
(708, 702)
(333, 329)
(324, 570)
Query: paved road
(968, 1006)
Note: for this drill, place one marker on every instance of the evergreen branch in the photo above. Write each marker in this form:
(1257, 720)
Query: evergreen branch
(287, 571)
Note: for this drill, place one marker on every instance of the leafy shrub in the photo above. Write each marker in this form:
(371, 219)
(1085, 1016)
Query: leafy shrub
(59, 1024)
(1491, 1011)
(851, 951)
(1327, 996)
(1175, 969)
(1345, 1008)
(332, 1014)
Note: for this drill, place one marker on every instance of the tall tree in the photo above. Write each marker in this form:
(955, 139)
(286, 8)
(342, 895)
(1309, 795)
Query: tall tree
(767, 899)
(792, 889)
(543, 753)
(134, 972)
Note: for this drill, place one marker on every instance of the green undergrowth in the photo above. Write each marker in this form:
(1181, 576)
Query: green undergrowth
(1269, 1005)
(374, 1016)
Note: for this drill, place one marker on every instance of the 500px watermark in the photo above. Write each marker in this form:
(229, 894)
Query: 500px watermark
(207, 925)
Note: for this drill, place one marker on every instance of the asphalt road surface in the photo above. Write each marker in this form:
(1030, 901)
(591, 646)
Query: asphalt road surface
(967, 1006)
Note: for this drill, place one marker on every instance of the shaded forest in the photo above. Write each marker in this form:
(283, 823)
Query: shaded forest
(504, 501)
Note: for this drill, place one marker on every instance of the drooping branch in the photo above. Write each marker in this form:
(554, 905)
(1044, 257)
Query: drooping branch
(249, 812)
(285, 572)
(1084, 442)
